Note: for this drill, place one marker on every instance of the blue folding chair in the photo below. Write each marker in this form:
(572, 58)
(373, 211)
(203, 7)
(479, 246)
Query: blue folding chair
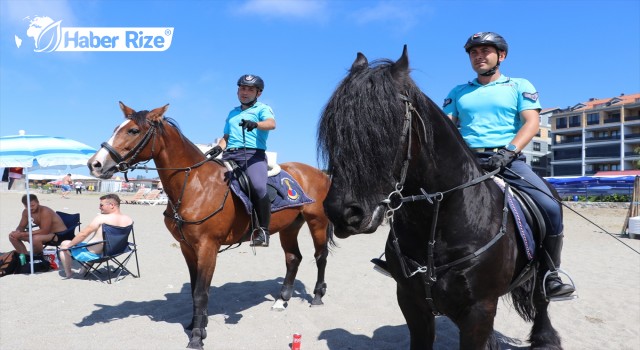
(117, 251)
(71, 221)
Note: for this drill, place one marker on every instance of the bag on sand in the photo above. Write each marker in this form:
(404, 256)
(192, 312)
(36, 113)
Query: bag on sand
(9, 263)
(40, 264)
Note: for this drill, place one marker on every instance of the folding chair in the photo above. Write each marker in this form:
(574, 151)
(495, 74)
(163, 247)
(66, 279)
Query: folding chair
(117, 251)
(71, 221)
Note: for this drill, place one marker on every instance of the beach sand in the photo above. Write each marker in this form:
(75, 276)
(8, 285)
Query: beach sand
(360, 311)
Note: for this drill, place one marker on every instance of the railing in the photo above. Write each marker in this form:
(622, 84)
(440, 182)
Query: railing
(611, 120)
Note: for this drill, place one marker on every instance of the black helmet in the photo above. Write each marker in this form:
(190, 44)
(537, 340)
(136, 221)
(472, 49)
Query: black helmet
(487, 38)
(251, 80)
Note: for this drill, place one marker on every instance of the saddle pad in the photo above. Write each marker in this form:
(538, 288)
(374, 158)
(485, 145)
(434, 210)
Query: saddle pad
(288, 193)
(524, 229)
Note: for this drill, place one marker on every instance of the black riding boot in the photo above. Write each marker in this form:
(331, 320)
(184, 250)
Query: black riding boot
(263, 211)
(553, 284)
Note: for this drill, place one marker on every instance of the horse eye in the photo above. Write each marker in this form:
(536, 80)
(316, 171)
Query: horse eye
(134, 131)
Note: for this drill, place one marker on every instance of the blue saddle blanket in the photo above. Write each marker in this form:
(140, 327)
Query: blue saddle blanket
(524, 229)
(284, 191)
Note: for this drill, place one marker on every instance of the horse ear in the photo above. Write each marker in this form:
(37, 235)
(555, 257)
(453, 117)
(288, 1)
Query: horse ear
(360, 63)
(401, 66)
(128, 112)
(158, 113)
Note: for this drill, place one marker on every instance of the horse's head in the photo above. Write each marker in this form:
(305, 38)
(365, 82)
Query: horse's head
(376, 124)
(130, 143)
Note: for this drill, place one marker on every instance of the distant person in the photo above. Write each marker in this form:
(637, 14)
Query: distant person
(78, 186)
(66, 186)
(45, 218)
(109, 214)
(245, 141)
(14, 174)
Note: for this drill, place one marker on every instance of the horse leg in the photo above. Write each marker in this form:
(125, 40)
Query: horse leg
(476, 326)
(204, 261)
(320, 233)
(421, 322)
(293, 257)
(543, 335)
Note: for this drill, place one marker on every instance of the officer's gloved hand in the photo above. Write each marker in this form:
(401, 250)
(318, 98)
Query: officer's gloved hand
(214, 152)
(500, 160)
(248, 124)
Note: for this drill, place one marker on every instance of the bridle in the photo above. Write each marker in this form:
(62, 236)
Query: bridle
(395, 200)
(127, 162)
(124, 162)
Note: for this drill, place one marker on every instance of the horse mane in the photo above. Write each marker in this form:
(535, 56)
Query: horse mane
(360, 130)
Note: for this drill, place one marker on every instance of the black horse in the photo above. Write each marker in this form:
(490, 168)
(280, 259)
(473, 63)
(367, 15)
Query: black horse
(452, 246)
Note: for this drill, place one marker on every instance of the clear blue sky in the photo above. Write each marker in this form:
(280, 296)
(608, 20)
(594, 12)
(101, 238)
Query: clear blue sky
(570, 50)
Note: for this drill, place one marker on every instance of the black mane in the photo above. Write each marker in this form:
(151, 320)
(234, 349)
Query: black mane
(360, 130)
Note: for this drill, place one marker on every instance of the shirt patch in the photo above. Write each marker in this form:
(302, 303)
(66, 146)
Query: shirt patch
(447, 101)
(530, 96)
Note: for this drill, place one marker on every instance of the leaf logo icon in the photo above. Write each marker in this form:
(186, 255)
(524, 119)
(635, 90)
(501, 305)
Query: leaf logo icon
(49, 38)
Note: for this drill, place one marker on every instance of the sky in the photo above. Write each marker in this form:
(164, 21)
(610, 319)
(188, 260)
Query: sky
(570, 50)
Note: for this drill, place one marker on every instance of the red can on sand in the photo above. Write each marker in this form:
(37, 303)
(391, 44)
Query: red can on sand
(297, 341)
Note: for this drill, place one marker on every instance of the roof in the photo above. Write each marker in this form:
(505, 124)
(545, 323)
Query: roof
(599, 102)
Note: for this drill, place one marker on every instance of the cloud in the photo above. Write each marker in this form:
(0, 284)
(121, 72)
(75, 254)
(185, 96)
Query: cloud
(402, 14)
(300, 9)
(16, 12)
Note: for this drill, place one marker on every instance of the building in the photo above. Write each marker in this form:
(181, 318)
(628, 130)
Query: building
(538, 150)
(596, 135)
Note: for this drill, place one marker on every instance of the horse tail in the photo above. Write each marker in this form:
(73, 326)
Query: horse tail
(522, 299)
(331, 242)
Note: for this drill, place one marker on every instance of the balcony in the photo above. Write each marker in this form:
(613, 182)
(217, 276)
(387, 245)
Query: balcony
(603, 138)
(611, 120)
(631, 118)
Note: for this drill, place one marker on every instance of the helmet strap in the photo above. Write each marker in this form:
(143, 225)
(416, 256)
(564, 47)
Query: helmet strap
(250, 103)
(491, 71)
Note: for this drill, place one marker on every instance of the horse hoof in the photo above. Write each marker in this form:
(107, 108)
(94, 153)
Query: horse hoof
(317, 301)
(195, 345)
(279, 305)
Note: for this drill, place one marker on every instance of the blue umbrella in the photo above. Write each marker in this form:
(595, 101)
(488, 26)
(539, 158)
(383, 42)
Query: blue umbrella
(37, 151)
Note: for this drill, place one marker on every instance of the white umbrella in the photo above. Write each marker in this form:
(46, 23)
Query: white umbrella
(28, 151)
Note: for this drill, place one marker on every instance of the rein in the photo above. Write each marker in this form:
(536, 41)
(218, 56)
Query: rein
(395, 199)
(125, 165)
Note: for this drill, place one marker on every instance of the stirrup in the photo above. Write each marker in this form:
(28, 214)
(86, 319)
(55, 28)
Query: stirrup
(259, 238)
(558, 271)
(381, 266)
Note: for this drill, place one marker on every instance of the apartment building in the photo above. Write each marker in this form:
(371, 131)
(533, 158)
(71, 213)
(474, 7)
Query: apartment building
(537, 151)
(596, 135)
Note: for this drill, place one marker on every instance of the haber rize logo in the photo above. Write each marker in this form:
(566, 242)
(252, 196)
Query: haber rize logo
(48, 36)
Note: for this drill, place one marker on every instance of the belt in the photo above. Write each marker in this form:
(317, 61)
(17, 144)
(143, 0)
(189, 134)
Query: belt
(486, 149)
(242, 148)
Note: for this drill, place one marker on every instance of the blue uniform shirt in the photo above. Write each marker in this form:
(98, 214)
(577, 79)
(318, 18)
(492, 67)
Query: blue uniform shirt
(254, 139)
(489, 115)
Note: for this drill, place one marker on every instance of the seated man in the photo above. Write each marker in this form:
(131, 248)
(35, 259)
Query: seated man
(45, 218)
(109, 214)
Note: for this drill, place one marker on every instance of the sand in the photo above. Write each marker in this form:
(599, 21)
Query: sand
(360, 311)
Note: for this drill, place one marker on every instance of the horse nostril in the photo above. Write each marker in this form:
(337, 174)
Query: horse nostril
(353, 215)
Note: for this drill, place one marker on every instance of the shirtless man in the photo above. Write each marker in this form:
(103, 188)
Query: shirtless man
(66, 186)
(109, 214)
(47, 220)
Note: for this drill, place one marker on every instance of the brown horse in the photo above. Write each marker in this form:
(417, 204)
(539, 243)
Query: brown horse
(201, 214)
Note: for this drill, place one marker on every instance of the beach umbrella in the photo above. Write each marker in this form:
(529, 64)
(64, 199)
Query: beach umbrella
(38, 151)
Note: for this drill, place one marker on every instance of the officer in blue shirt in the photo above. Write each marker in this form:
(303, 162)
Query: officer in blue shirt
(497, 117)
(245, 141)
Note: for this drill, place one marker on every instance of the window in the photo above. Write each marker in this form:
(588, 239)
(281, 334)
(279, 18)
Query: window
(535, 160)
(536, 146)
(561, 123)
(593, 118)
(574, 121)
